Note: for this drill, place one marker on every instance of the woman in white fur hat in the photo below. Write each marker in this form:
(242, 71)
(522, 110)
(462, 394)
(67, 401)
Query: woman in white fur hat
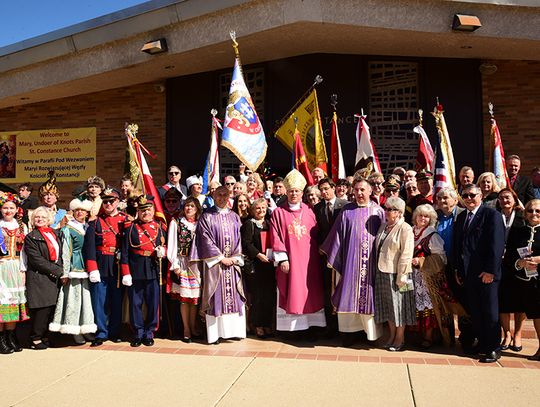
(194, 186)
(73, 314)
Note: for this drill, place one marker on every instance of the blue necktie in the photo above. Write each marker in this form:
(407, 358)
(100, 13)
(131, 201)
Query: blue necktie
(467, 221)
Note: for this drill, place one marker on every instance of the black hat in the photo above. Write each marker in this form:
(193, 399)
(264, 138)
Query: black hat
(110, 192)
(143, 201)
(424, 175)
(391, 185)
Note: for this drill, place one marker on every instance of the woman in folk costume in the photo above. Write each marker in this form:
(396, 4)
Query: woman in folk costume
(12, 290)
(48, 195)
(194, 186)
(295, 250)
(185, 274)
(94, 187)
(73, 314)
(431, 289)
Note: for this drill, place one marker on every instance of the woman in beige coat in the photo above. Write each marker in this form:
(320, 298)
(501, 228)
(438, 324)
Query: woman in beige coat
(394, 291)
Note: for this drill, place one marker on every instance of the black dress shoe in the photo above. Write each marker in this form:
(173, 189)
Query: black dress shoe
(79, 340)
(186, 339)
(397, 348)
(148, 342)
(490, 357)
(348, 340)
(39, 345)
(97, 342)
(115, 340)
(516, 348)
(135, 343)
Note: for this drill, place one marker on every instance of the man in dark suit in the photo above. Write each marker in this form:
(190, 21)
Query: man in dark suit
(174, 175)
(326, 212)
(521, 184)
(278, 191)
(28, 201)
(478, 247)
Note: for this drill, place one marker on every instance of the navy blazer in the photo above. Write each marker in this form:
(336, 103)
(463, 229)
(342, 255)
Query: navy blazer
(322, 219)
(523, 188)
(481, 248)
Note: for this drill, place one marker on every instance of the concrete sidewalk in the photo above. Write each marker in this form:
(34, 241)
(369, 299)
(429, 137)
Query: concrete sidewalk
(258, 373)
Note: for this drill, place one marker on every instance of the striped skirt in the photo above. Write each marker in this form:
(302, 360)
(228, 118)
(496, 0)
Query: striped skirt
(390, 303)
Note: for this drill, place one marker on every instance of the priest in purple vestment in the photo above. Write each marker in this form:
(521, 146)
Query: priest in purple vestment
(295, 250)
(351, 252)
(218, 246)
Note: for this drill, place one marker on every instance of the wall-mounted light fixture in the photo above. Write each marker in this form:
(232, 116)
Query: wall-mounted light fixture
(155, 47)
(463, 22)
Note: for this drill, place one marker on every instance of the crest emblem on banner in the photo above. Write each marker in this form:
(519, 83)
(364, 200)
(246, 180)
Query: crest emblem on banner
(241, 114)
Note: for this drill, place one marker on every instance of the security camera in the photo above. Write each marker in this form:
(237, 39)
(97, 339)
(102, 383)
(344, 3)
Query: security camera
(159, 88)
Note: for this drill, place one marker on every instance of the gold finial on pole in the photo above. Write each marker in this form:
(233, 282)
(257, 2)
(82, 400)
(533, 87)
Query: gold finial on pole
(232, 33)
(420, 117)
(214, 113)
(490, 110)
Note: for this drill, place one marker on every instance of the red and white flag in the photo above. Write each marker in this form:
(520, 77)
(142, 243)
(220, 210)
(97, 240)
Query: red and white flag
(211, 169)
(365, 150)
(497, 158)
(338, 165)
(425, 158)
(145, 181)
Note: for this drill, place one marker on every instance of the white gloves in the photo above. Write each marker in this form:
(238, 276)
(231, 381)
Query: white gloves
(127, 280)
(160, 252)
(94, 276)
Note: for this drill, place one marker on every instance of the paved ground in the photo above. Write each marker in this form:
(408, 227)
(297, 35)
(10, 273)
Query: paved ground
(259, 373)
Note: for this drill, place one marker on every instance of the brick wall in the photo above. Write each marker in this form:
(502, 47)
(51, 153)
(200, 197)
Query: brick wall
(515, 92)
(107, 111)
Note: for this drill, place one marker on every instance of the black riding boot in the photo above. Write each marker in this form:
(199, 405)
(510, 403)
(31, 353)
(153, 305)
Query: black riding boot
(12, 341)
(5, 348)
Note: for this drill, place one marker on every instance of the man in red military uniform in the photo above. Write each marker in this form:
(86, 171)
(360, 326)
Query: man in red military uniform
(143, 248)
(102, 244)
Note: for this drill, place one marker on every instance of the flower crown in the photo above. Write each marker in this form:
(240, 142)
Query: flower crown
(9, 197)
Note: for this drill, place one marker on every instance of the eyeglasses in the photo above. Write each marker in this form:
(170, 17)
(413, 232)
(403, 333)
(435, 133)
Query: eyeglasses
(411, 189)
(376, 184)
(229, 183)
(391, 209)
(469, 196)
(171, 200)
(108, 201)
(537, 211)
(174, 173)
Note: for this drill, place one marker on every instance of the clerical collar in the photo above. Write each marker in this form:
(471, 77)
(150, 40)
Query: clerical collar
(362, 205)
(294, 207)
(222, 210)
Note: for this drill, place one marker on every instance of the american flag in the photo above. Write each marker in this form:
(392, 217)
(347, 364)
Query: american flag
(445, 169)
